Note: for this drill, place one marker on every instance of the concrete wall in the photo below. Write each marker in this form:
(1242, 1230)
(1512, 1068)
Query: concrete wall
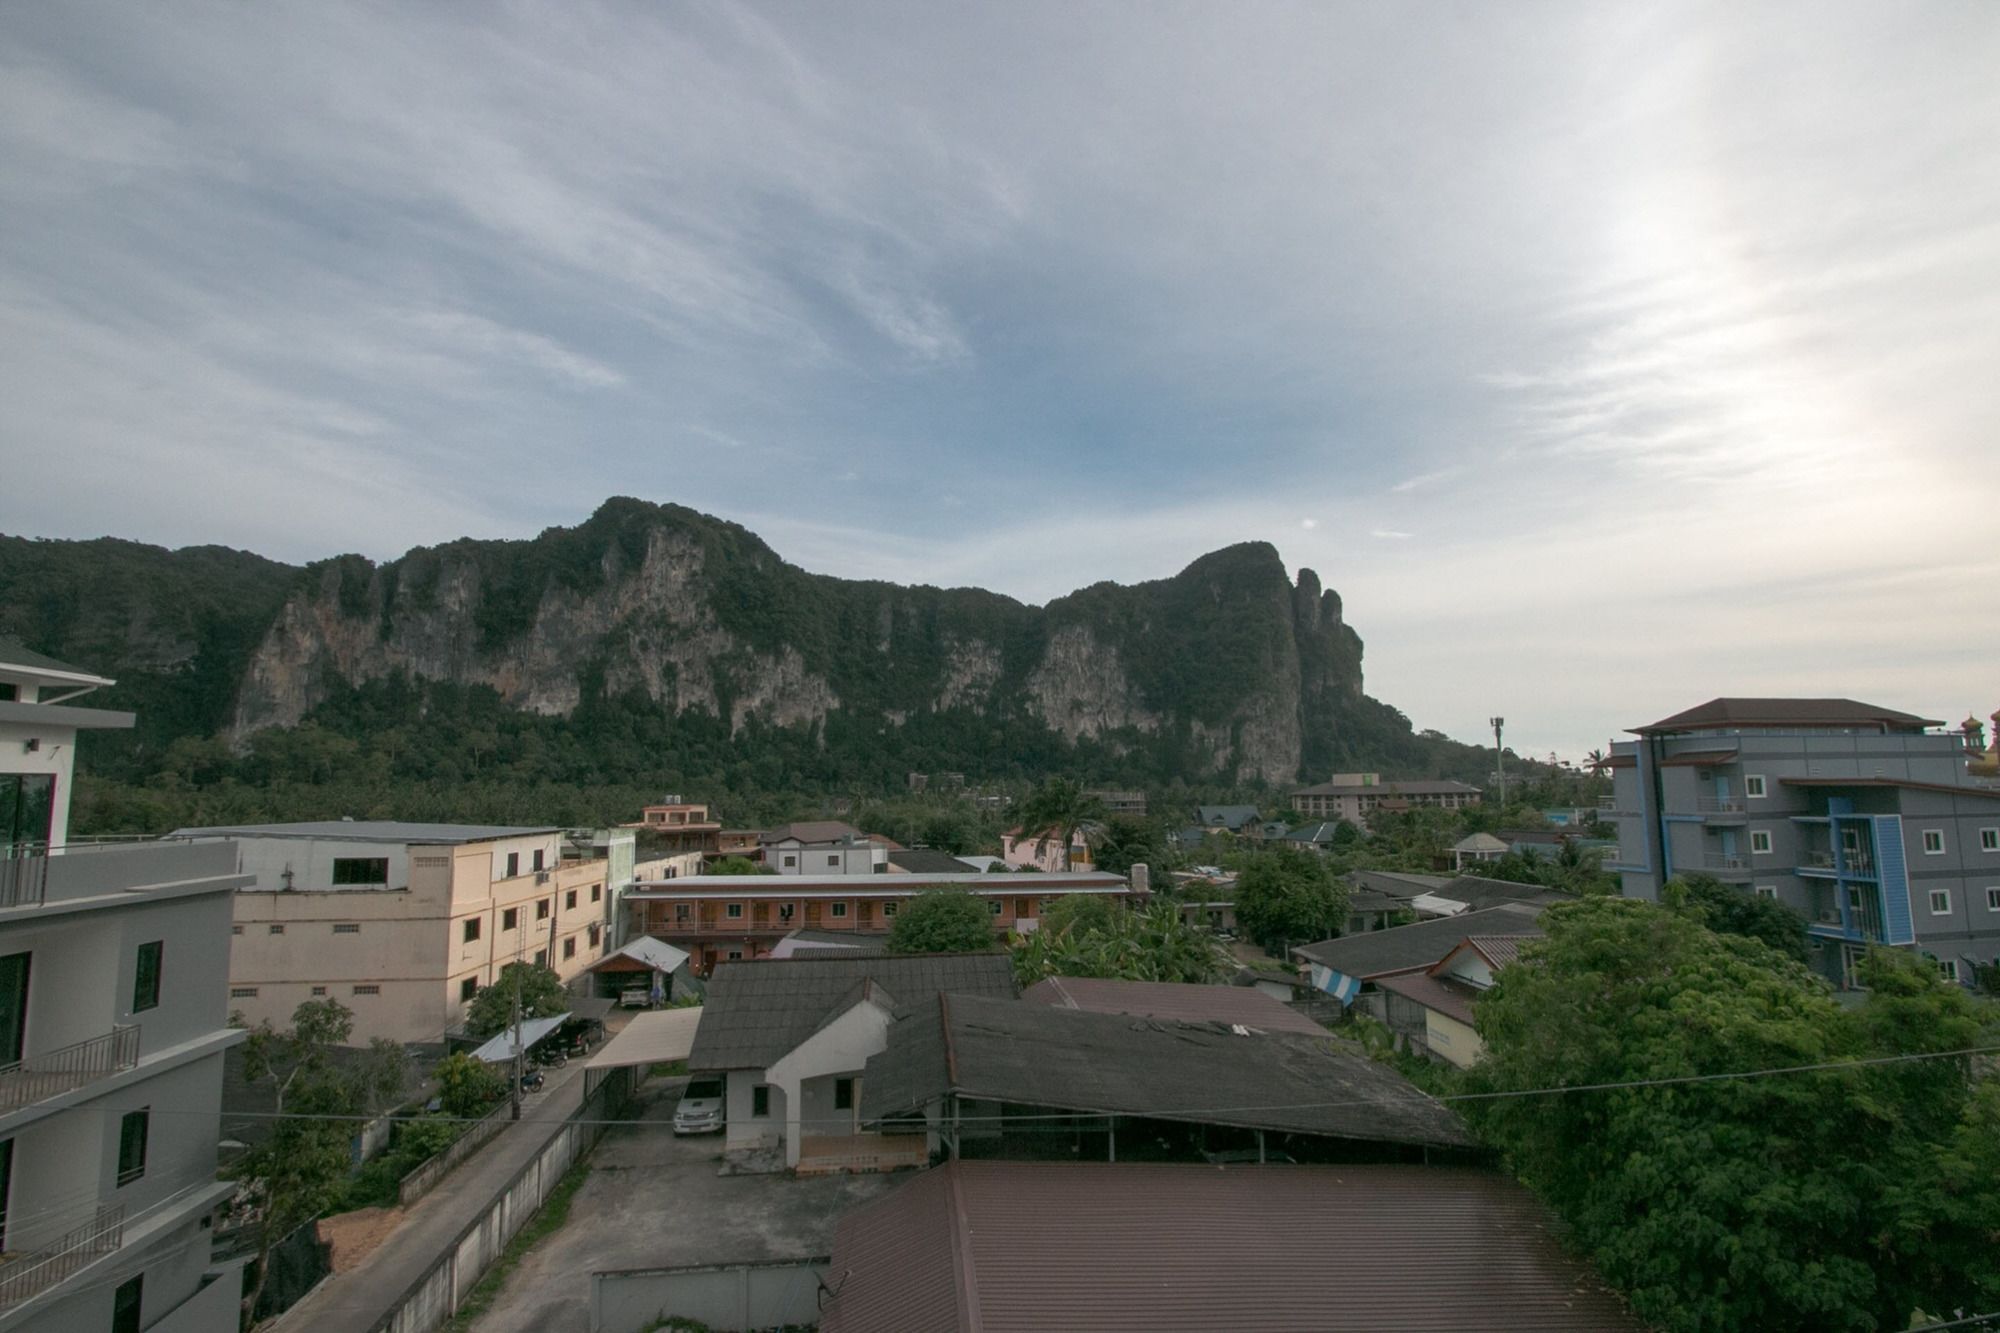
(745, 1130)
(54, 757)
(1451, 1040)
(733, 1297)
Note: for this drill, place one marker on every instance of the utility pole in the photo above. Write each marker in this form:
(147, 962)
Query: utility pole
(1500, 757)
(514, 1089)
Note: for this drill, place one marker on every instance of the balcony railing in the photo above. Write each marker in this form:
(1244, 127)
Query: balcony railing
(1717, 861)
(28, 1081)
(1816, 860)
(1718, 805)
(28, 1275)
(24, 880)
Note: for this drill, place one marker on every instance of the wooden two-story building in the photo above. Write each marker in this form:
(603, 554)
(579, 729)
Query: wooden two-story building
(715, 917)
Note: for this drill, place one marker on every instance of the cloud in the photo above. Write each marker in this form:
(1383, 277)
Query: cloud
(1660, 326)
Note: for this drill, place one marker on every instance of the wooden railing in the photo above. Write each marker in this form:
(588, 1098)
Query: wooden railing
(28, 1274)
(27, 1081)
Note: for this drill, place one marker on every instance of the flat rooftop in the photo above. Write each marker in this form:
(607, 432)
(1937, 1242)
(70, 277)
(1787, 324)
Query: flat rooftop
(371, 830)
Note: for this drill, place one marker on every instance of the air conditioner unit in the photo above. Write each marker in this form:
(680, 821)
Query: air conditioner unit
(541, 877)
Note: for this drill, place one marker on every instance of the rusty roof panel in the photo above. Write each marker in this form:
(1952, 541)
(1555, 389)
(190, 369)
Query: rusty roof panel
(1170, 999)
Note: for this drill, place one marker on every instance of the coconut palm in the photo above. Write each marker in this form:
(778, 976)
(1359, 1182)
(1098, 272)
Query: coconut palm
(1600, 763)
(1060, 809)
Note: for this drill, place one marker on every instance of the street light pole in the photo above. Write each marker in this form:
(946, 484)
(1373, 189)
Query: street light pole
(1500, 758)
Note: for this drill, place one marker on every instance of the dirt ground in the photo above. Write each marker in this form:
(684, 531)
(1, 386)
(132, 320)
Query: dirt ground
(355, 1234)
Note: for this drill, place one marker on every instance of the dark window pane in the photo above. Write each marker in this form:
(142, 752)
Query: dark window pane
(125, 1304)
(361, 870)
(146, 978)
(132, 1145)
(13, 1007)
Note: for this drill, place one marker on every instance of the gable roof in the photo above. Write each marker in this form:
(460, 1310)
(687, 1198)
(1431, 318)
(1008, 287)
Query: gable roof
(1479, 842)
(1448, 995)
(644, 951)
(1172, 999)
(1321, 831)
(1229, 816)
(1176, 1247)
(756, 1010)
(1407, 948)
(811, 830)
(1199, 1073)
(1499, 950)
(18, 657)
(1729, 712)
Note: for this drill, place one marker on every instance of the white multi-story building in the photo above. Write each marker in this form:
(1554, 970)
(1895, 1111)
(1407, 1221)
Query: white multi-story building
(113, 1024)
(403, 923)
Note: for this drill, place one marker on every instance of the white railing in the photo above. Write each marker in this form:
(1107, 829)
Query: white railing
(29, 1274)
(1714, 861)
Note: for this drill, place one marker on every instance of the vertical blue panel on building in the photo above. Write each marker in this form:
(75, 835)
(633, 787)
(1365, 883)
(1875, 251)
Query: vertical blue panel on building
(1895, 880)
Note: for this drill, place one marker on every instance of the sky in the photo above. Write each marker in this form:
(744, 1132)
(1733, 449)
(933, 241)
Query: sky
(1605, 358)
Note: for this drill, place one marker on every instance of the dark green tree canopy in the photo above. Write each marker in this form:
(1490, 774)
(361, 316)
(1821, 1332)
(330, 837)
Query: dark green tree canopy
(1152, 943)
(1285, 896)
(492, 1009)
(942, 921)
(1732, 911)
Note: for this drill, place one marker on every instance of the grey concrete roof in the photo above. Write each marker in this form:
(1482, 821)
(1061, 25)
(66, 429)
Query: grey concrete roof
(64, 715)
(369, 830)
(1405, 948)
(759, 1009)
(14, 653)
(1201, 1073)
(1015, 1247)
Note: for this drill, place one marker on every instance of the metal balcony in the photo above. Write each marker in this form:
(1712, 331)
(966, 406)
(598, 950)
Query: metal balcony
(1726, 865)
(28, 1275)
(28, 1081)
(24, 877)
(1718, 805)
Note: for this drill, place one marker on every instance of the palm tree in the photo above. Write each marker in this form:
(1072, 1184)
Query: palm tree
(1060, 809)
(1600, 763)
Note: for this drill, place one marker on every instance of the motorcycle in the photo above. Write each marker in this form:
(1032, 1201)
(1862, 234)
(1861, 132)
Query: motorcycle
(532, 1081)
(553, 1058)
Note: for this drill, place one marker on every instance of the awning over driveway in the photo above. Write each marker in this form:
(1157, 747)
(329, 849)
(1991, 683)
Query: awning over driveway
(500, 1049)
(658, 1037)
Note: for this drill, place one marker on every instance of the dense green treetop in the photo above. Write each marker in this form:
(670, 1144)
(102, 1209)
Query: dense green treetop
(1152, 943)
(942, 921)
(1285, 896)
(492, 1009)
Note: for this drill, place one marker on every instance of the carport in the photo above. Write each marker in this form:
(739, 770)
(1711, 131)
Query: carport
(659, 1037)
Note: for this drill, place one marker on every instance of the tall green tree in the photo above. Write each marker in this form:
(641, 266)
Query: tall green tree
(1732, 911)
(492, 1009)
(1808, 1201)
(1285, 896)
(1059, 810)
(1123, 842)
(943, 921)
(298, 1172)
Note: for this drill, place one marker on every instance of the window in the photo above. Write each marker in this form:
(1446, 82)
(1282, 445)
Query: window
(471, 929)
(791, 860)
(734, 911)
(126, 1302)
(838, 910)
(833, 858)
(277, 929)
(735, 955)
(242, 992)
(510, 919)
(367, 990)
(888, 910)
(993, 906)
(1767, 890)
(541, 909)
(1753, 785)
(784, 911)
(132, 1144)
(513, 864)
(318, 991)
(360, 870)
(146, 977)
(1940, 902)
(1933, 842)
(760, 1101)
(569, 947)
(236, 930)
(843, 1094)
(596, 892)
(1993, 900)
(682, 912)
(538, 858)
(1948, 968)
(569, 901)
(1760, 842)
(1024, 907)
(468, 988)
(541, 958)
(346, 928)
(1853, 898)
(594, 932)
(1989, 840)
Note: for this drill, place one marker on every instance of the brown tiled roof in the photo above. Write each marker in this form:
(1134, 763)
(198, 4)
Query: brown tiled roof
(1451, 998)
(812, 830)
(1698, 758)
(1786, 712)
(1500, 950)
(1009, 1247)
(1169, 999)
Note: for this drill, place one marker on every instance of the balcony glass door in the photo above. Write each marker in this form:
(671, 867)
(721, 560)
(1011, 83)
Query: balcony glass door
(27, 804)
(13, 1007)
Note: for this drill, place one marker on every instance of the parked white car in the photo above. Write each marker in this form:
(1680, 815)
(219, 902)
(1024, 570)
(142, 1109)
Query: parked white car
(700, 1111)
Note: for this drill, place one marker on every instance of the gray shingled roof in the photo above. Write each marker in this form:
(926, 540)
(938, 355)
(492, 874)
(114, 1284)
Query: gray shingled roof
(1201, 1073)
(924, 860)
(1402, 948)
(14, 653)
(1018, 1247)
(369, 830)
(758, 1010)
(1476, 892)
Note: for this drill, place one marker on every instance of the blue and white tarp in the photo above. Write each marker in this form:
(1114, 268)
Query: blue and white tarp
(1337, 984)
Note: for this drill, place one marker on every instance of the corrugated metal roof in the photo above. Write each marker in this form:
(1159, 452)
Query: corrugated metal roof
(1170, 999)
(1450, 998)
(1476, 891)
(1500, 950)
(646, 951)
(502, 1048)
(658, 1037)
(1405, 948)
(1014, 1247)
(759, 1009)
(1198, 1073)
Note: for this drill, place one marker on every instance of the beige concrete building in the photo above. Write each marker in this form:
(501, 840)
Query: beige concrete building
(403, 923)
(1355, 796)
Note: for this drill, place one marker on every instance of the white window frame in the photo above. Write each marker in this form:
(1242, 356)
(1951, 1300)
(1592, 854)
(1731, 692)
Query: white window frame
(1934, 895)
(838, 911)
(1993, 897)
(1760, 835)
(1753, 786)
(1767, 891)
(1989, 840)
(1948, 969)
(1933, 835)
(732, 911)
